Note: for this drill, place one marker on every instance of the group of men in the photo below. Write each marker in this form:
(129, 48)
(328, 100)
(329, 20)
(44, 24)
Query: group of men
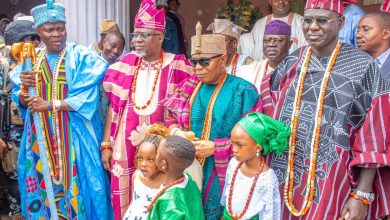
(334, 96)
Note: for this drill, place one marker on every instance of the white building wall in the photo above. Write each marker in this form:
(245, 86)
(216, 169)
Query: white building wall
(84, 16)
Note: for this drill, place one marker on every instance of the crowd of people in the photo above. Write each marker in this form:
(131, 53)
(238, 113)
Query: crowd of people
(276, 117)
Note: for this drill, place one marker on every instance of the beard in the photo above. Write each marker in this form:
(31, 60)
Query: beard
(140, 53)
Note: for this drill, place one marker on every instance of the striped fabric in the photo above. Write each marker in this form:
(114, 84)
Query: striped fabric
(333, 5)
(117, 84)
(385, 7)
(354, 133)
(149, 16)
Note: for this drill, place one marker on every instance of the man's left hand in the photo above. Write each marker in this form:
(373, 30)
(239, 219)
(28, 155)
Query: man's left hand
(354, 209)
(37, 104)
(204, 148)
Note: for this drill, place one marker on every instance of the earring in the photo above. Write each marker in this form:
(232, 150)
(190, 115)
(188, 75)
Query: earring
(258, 152)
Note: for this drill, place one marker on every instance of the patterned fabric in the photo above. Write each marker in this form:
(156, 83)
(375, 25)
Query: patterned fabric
(353, 132)
(277, 27)
(149, 16)
(385, 7)
(245, 15)
(126, 118)
(84, 193)
(236, 98)
(69, 203)
(333, 5)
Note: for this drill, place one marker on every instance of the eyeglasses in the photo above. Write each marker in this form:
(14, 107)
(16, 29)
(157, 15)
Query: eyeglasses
(203, 61)
(321, 21)
(273, 41)
(142, 35)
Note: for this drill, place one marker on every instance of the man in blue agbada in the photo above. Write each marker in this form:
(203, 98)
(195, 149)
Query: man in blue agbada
(66, 78)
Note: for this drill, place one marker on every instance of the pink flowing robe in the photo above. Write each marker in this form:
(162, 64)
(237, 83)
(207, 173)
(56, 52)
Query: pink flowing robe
(117, 84)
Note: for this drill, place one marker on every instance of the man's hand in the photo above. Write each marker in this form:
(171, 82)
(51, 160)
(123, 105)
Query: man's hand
(354, 209)
(28, 79)
(37, 104)
(106, 159)
(3, 149)
(204, 148)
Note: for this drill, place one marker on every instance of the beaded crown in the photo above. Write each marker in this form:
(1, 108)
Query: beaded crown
(49, 12)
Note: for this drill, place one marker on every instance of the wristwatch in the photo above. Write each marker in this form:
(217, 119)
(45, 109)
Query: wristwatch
(369, 196)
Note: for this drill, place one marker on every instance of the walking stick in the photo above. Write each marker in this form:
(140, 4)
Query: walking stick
(24, 53)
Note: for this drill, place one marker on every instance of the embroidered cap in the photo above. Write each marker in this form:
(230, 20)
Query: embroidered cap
(332, 5)
(149, 16)
(272, 135)
(225, 27)
(277, 27)
(207, 43)
(49, 12)
(16, 31)
(385, 7)
(107, 26)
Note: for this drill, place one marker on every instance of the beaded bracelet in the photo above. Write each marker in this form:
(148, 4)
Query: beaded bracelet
(102, 148)
(364, 200)
(23, 89)
(24, 93)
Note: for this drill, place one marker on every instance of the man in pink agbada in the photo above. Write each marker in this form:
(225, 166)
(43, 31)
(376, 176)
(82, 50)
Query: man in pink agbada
(134, 86)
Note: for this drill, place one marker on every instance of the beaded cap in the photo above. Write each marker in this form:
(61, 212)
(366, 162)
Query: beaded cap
(49, 12)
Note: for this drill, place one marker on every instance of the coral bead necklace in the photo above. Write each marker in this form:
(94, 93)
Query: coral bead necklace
(289, 183)
(230, 210)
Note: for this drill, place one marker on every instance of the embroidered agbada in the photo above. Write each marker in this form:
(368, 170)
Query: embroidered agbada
(236, 98)
(84, 193)
(181, 201)
(353, 132)
(126, 118)
(255, 72)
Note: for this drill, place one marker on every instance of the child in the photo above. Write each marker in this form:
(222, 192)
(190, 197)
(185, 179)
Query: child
(147, 178)
(251, 190)
(179, 198)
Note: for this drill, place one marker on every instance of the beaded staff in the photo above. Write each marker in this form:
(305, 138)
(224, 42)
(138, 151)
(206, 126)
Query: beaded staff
(24, 53)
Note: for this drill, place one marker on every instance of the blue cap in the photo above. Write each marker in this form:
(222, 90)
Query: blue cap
(49, 12)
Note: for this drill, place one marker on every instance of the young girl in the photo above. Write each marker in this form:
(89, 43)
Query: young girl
(147, 178)
(251, 190)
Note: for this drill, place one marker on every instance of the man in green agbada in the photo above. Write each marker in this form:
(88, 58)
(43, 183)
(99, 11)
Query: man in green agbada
(241, 12)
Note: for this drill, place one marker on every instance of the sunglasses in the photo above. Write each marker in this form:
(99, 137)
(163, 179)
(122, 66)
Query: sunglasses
(203, 61)
(321, 21)
(142, 35)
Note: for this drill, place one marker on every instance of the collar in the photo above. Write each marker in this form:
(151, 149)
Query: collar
(382, 58)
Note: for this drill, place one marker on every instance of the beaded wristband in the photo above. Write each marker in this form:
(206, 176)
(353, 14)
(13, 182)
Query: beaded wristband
(24, 93)
(364, 200)
(102, 148)
(105, 143)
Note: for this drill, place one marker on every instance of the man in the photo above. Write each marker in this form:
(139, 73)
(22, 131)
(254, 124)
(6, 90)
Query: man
(352, 15)
(21, 31)
(113, 45)
(3, 24)
(232, 33)
(106, 26)
(241, 12)
(336, 102)
(134, 86)
(173, 6)
(280, 11)
(373, 37)
(276, 44)
(67, 83)
(209, 104)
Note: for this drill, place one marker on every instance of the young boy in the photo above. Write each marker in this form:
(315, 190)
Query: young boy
(179, 198)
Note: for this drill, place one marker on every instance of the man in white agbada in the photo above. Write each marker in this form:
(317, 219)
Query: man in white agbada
(280, 11)
(276, 44)
(232, 33)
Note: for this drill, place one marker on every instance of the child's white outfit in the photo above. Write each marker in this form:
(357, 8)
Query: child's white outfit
(141, 198)
(265, 202)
